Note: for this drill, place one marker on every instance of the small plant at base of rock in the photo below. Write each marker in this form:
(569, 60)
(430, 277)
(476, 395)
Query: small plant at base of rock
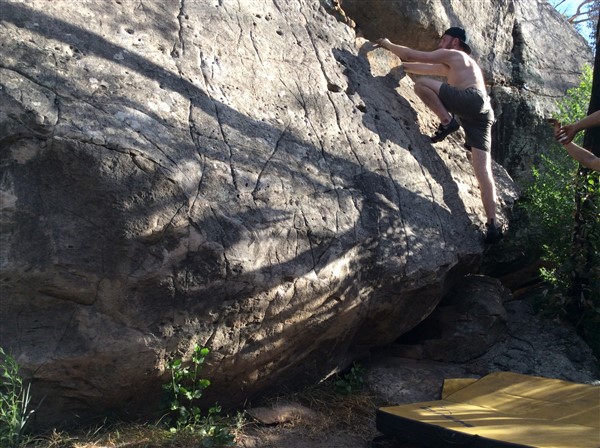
(186, 388)
(14, 401)
(351, 381)
(213, 430)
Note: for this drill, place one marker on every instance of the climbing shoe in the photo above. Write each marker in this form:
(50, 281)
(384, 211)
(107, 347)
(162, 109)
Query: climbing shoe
(444, 130)
(492, 234)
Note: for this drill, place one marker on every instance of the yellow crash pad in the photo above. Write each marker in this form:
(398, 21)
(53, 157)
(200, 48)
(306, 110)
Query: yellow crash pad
(502, 409)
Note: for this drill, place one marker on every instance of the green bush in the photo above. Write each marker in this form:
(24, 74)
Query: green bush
(14, 401)
(551, 202)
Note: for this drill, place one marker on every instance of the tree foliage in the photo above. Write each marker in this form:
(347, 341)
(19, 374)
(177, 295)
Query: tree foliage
(564, 199)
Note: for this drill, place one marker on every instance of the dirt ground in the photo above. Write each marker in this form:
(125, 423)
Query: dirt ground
(304, 436)
(316, 419)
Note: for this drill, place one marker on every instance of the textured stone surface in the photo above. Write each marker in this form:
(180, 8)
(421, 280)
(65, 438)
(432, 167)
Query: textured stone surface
(247, 176)
(282, 413)
(465, 325)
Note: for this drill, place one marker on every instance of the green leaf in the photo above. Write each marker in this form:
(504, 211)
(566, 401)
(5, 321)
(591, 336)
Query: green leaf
(175, 364)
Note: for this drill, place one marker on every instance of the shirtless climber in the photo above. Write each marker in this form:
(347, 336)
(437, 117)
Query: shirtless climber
(460, 101)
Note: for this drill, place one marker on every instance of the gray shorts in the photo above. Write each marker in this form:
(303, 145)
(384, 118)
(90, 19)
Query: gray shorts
(472, 109)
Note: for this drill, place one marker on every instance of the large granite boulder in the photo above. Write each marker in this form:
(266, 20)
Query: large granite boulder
(247, 176)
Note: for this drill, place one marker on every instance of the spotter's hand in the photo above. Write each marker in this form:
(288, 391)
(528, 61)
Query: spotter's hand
(561, 134)
(566, 134)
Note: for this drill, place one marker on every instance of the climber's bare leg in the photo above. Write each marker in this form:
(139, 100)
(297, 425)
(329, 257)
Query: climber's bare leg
(482, 165)
(428, 90)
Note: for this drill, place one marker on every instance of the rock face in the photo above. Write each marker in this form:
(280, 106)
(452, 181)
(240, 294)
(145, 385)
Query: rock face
(529, 55)
(246, 176)
(532, 345)
(465, 325)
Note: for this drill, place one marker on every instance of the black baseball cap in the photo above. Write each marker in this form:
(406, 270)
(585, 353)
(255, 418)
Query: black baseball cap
(461, 34)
